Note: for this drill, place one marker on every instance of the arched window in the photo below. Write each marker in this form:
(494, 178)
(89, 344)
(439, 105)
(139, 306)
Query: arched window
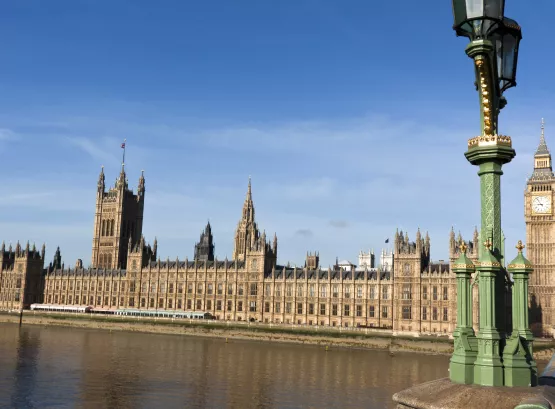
(112, 227)
(103, 228)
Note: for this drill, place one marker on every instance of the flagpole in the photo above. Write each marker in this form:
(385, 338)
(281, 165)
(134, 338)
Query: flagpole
(123, 163)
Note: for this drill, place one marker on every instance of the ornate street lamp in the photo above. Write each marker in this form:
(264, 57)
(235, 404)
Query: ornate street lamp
(494, 42)
(476, 19)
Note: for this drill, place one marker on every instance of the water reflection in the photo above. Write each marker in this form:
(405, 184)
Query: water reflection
(70, 367)
(25, 371)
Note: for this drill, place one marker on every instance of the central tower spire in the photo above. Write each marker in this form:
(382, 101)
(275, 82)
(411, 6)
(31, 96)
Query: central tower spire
(248, 206)
(247, 232)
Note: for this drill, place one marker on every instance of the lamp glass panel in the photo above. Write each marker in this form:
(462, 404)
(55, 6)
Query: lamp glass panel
(509, 54)
(494, 9)
(474, 8)
(459, 12)
(499, 59)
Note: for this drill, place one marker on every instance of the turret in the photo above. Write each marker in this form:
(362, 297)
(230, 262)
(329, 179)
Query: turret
(43, 252)
(419, 242)
(141, 185)
(121, 181)
(101, 182)
(204, 249)
(57, 262)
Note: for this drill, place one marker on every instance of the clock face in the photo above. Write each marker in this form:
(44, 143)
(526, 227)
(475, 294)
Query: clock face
(541, 204)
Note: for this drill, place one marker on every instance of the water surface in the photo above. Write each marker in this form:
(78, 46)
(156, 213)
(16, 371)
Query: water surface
(51, 367)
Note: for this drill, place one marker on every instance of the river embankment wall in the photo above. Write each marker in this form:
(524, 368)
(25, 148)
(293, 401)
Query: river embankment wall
(360, 338)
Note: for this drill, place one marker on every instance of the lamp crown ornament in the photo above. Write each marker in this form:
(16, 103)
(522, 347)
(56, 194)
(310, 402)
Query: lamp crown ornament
(519, 246)
(488, 244)
(463, 247)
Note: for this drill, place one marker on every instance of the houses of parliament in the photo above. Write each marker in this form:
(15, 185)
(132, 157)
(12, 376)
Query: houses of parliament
(411, 294)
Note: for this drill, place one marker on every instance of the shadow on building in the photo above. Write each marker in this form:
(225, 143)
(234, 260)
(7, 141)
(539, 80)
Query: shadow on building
(535, 317)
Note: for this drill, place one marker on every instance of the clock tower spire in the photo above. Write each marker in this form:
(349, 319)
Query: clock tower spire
(542, 160)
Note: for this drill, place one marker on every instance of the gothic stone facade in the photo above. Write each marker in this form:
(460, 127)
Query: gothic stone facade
(118, 221)
(415, 295)
(21, 276)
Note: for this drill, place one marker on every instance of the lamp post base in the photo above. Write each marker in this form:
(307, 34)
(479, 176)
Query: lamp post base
(461, 366)
(519, 365)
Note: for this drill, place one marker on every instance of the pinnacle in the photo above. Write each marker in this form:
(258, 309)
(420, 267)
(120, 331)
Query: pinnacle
(542, 147)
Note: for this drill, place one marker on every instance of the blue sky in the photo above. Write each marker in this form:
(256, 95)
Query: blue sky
(351, 116)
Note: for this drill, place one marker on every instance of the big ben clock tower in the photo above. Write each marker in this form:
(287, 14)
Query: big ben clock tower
(540, 240)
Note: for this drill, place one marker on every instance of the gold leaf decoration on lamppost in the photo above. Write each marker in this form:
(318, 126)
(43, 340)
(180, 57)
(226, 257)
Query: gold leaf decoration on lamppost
(488, 244)
(463, 247)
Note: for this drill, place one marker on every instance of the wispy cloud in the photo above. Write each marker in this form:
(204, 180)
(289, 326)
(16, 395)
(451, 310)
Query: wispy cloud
(24, 199)
(94, 149)
(304, 233)
(339, 224)
(8, 135)
(26, 194)
(336, 186)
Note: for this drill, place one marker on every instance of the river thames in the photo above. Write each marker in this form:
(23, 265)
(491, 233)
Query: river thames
(56, 367)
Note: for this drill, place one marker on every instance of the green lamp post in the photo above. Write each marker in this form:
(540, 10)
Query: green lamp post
(520, 367)
(461, 366)
(494, 41)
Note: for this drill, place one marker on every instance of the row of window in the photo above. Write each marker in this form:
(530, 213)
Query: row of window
(9, 283)
(253, 289)
(407, 313)
(104, 260)
(335, 309)
(407, 292)
(92, 286)
(252, 305)
(7, 296)
(435, 293)
(107, 228)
